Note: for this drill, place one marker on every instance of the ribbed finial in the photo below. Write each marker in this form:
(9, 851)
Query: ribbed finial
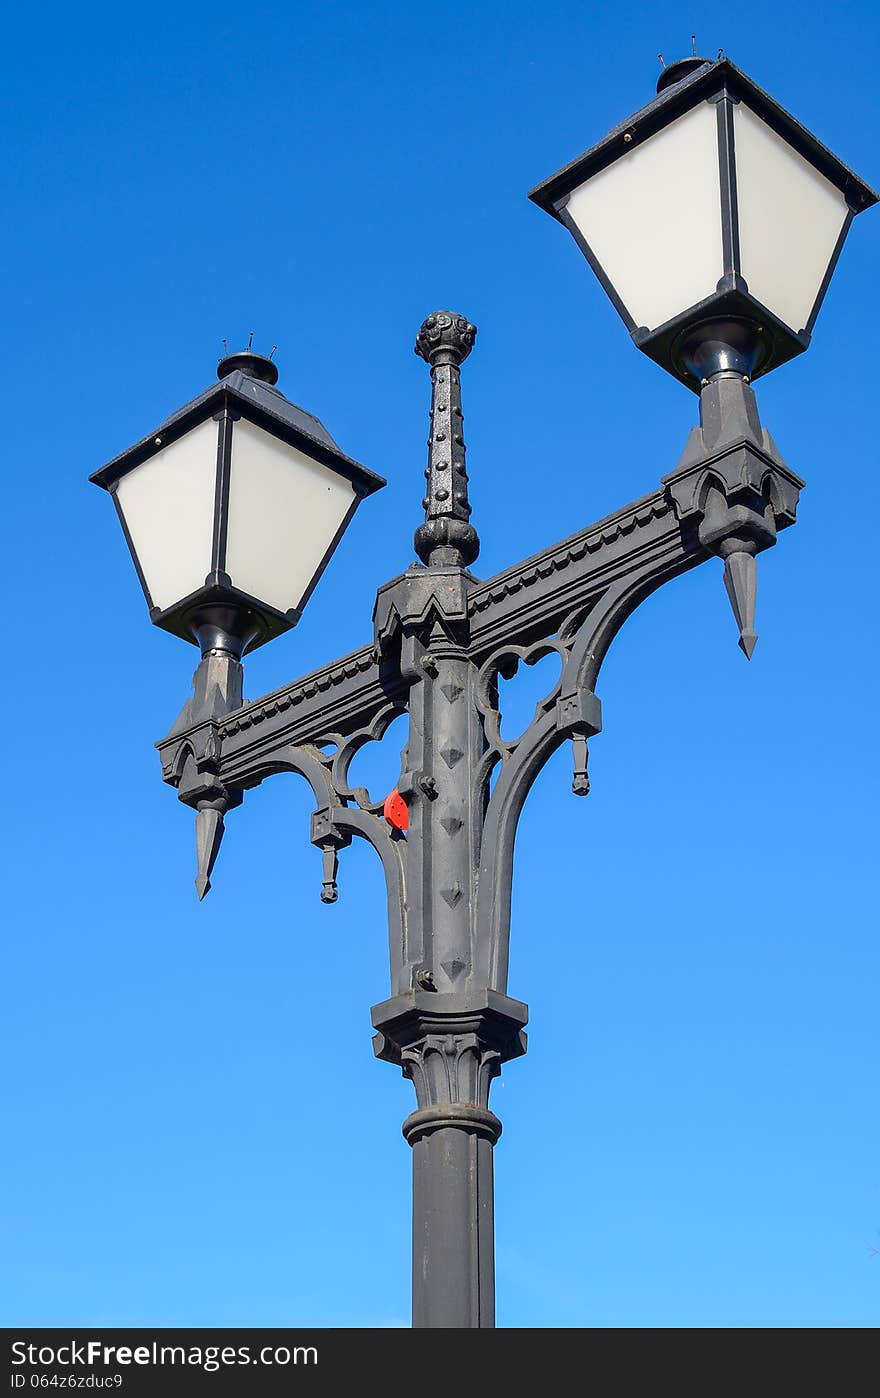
(446, 539)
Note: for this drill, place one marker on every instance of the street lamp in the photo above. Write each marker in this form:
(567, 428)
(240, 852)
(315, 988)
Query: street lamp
(713, 220)
(233, 507)
(718, 281)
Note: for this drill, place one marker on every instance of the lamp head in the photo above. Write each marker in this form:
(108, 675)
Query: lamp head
(710, 207)
(233, 508)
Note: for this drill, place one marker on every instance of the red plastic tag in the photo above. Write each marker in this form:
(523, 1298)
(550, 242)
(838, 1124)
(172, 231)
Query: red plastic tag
(395, 811)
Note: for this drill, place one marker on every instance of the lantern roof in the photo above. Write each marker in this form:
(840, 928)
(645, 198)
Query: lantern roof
(261, 403)
(675, 99)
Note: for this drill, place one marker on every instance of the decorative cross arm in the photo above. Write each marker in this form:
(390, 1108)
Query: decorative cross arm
(443, 640)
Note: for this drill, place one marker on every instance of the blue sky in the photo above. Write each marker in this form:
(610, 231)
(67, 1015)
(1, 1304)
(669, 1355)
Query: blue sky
(197, 1131)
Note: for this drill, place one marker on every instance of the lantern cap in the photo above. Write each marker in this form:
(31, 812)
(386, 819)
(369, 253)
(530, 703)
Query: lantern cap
(258, 400)
(681, 68)
(255, 366)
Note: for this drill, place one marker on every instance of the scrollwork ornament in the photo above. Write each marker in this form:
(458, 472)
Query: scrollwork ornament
(504, 664)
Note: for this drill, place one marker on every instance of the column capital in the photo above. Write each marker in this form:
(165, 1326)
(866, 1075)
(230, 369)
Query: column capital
(451, 1046)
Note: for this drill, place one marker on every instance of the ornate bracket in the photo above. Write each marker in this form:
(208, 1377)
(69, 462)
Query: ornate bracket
(442, 642)
(191, 755)
(733, 487)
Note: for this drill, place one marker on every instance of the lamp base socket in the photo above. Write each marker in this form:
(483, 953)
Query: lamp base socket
(727, 345)
(224, 627)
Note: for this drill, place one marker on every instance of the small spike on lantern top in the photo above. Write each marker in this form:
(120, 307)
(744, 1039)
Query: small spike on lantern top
(447, 538)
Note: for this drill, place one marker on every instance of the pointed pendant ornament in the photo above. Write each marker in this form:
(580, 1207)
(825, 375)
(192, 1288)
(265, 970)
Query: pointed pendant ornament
(580, 781)
(330, 862)
(209, 833)
(741, 581)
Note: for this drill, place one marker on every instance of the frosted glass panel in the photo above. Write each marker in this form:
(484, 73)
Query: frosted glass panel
(284, 511)
(168, 505)
(790, 218)
(653, 219)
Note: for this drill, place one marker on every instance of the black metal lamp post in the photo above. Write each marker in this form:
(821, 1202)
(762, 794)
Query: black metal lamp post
(714, 221)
